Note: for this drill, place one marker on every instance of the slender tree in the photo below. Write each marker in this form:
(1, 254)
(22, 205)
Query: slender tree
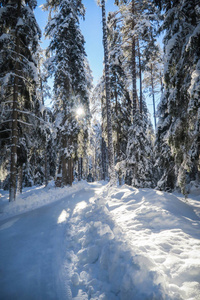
(108, 104)
(153, 75)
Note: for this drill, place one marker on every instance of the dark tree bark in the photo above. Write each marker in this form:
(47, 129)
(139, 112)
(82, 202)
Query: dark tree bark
(108, 105)
(140, 74)
(20, 179)
(118, 138)
(133, 63)
(153, 96)
(14, 138)
(64, 161)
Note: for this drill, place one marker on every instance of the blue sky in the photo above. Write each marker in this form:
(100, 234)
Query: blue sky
(91, 29)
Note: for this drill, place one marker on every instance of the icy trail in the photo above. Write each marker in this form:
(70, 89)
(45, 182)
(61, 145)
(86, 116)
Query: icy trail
(100, 243)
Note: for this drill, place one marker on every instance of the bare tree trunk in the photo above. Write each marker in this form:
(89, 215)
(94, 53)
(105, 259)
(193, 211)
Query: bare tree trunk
(103, 159)
(153, 96)
(140, 74)
(64, 161)
(70, 171)
(133, 62)
(20, 179)
(46, 173)
(82, 168)
(79, 169)
(161, 83)
(118, 141)
(13, 162)
(108, 105)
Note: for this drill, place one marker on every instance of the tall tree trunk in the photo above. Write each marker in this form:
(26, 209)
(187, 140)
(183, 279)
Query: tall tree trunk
(46, 165)
(46, 172)
(103, 159)
(64, 160)
(70, 165)
(108, 105)
(70, 171)
(133, 62)
(118, 138)
(13, 162)
(153, 96)
(161, 83)
(80, 168)
(20, 179)
(140, 74)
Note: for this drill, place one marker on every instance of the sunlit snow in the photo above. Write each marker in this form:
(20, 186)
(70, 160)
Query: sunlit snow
(98, 242)
(63, 216)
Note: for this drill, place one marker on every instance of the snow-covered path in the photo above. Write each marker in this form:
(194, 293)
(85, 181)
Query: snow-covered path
(32, 251)
(97, 242)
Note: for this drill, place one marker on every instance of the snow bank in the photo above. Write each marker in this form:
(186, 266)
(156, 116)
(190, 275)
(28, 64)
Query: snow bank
(134, 244)
(35, 197)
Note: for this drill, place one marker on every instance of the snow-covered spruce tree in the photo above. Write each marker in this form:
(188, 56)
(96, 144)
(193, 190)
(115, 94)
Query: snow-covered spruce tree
(137, 28)
(139, 154)
(112, 174)
(164, 162)
(182, 80)
(120, 98)
(34, 139)
(19, 34)
(98, 109)
(67, 65)
(46, 128)
(82, 144)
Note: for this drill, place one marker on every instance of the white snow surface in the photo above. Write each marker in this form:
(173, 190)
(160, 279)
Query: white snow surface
(93, 241)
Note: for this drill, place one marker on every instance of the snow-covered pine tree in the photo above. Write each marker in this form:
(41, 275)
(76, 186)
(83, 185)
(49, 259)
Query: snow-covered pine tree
(181, 96)
(19, 34)
(67, 65)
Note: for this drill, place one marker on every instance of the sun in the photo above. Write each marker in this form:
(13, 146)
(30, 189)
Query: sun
(79, 111)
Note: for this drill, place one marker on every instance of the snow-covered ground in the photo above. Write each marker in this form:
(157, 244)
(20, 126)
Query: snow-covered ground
(92, 241)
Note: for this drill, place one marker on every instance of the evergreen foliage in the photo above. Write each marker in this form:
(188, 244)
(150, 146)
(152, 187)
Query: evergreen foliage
(69, 67)
(180, 104)
(140, 159)
(19, 35)
(136, 23)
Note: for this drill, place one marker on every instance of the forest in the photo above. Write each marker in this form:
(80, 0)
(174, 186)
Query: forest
(102, 132)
